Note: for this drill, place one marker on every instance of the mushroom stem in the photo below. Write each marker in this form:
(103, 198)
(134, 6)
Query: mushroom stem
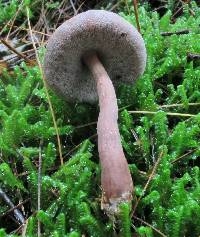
(116, 179)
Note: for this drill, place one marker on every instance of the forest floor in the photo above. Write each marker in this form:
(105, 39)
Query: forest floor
(49, 168)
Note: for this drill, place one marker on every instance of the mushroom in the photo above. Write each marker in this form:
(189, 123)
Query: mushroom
(86, 58)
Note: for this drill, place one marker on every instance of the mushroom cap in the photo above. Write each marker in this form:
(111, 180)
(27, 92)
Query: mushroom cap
(118, 44)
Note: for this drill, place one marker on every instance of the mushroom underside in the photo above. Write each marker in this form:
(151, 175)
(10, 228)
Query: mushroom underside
(117, 43)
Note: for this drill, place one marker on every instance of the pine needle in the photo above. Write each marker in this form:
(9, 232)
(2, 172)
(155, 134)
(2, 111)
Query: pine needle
(167, 113)
(135, 5)
(179, 105)
(46, 88)
(148, 181)
(152, 227)
(39, 185)
(129, 12)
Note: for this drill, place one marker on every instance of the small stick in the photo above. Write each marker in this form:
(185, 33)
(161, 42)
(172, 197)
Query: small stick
(21, 55)
(152, 227)
(13, 21)
(17, 213)
(77, 146)
(114, 6)
(136, 14)
(183, 156)
(62, 4)
(193, 56)
(127, 7)
(148, 182)
(46, 89)
(79, 7)
(178, 105)
(34, 31)
(3, 28)
(179, 9)
(86, 125)
(180, 32)
(188, 3)
(19, 229)
(159, 8)
(16, 207)
(168, 113)
(73, 6)
(39, 185)
(25, 228)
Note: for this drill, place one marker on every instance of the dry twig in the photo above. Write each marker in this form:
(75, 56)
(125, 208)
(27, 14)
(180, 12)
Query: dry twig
(39, 185)
(46, 90)
(180, 32)
(148, 182)
(179, 105)
(136, 14)
(193, 56)
(17, 213)
(152, 227)
(34, 31)
(183, 156)
(73, 6)
(77, 146)
(167, 113)
(21, 55)
(15, 207)
(129, 12)
(13, 21)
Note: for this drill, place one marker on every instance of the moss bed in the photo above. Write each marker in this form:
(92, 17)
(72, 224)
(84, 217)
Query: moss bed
(162, 147)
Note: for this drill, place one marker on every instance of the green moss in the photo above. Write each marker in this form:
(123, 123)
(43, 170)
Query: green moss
(70, 201)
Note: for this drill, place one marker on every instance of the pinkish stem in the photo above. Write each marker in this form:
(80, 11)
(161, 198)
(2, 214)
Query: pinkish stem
(116, 179)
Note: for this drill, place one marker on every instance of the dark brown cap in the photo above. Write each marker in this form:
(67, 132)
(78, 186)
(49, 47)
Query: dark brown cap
(118, 44)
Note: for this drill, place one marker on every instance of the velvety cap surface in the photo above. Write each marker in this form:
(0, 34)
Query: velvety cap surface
(118, 44)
